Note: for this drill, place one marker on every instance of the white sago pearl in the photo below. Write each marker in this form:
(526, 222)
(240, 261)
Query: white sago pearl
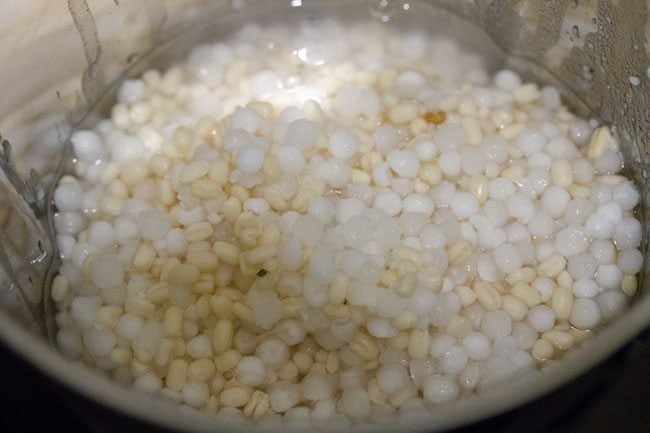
(99, 342)
(246, 119)
(69, 223)
(303, 134)
(600, 193)
(454, 361)
(101, 234)
(571, 241)
(496, 324)
(273, 351)
(355, 403)
(257, 205)
(251, 371)
(308, 229)
(126, 148)
(153, 224)
(541, 318)
(530, 141)
(477, 346)
(496, 211)
(267, 309)
(128, 326)
(388, 304)
(495, 148)
(501, 188)
(322, 208)
(630, 261)
(419, 203)
(392, 377)
(290, 254)
(611, 303)
(283, 396)
(472, 160)
(583, 171)
(626, 195)
(578, 210)
(603, 251)
(585, 314)
(354, 101)
(423, 301)
(343, 144)
(560, 147)
(195, 394)
(507, 80)
(347, 208)
(175, 242)
(610, 211)
(385, 138)
(107, 271)
(338, 173)
(463, 205)
(426, 149)
(291, 160)
(381, 328)
(450, 163)
(582, 266)
(609, 276)
(432, 237)
(508, 258)
(441, 389)
(608, 162)
(199, 347)
(318, 386)
(87, 145)
(404, 163)
(628, 234)
(521, 207)
(555, 200)
(586, 288)
(68, 196)
(542, 226)
(83, 310)
(440, 343)
(389, 201)
(381, 174)
(250, 158)
(517, 232)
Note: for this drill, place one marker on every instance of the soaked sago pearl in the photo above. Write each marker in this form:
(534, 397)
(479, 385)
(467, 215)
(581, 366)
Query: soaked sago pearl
(351, 234)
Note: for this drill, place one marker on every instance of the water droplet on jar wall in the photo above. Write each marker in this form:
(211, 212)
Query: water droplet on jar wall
(383, 9)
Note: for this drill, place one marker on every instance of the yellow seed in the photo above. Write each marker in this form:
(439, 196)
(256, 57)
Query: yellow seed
(231, 209)
(222, 335)
(184, 274)
(139, 305)
(226, 252)
(176, 375)
(629, 285)
(407, 285)
(562, 303)
(376, 395)
(418, 346)
(600, 141)
(158, 292)
(560, 340)
(219, 172)
(552, 266)
(527, 294)
(478, 186)
(542, 350)
(235, 396)
(198, 232)
(173, 321)
(515, 307)
(430, 173)
(363, 346)
(205, 189)
(144, 257)
(201, 370)
(60, 288)
(525, 274)
(257, 406)
(192, 171)
(487, 295)
(337, 313)
(460, 251)
(242, 312)
(227, 360)
(108, 315)
(205, 261)
(562, 173)
(466, 295)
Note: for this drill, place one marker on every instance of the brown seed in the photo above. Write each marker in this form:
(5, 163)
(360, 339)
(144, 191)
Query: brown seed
(436, 117)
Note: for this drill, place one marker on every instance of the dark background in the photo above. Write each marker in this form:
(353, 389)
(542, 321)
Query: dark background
(614, 397)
